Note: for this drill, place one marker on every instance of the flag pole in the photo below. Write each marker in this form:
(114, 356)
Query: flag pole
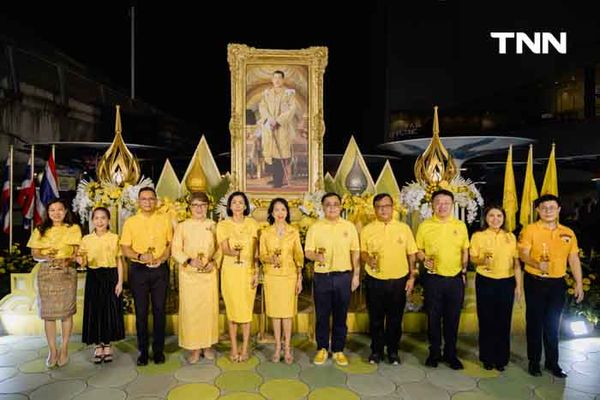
(32, 172)
(10, 200)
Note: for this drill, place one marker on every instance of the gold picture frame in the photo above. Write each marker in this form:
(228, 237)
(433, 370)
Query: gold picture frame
(275, 156)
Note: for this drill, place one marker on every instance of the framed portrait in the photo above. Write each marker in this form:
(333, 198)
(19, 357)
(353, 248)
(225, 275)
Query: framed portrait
(276, 121)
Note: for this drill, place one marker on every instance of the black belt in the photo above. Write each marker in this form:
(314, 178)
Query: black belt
(332, 273)
(543, 278)
(447, 277)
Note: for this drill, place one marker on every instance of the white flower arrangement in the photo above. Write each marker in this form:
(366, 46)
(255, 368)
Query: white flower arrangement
(92, 194)
(311, 205)
(416, 197)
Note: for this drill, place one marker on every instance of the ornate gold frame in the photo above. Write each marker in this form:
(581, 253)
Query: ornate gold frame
(239, 57)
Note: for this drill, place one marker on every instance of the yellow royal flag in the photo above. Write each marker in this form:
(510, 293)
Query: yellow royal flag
(550, 185)
(509, 198)
(530, 193)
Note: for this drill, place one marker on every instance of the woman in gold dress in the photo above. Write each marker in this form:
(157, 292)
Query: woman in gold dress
(53, 243)
(195, 249)
(282, 256)
(237, 237)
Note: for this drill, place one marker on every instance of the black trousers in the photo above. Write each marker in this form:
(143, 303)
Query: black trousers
(149, 283)
(278, 168)
(443, 302)
(545, 298)
(332, 297)
(495, 298)
(386, 300)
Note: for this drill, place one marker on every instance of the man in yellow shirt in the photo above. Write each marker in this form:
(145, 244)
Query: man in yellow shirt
(146, 241)
(332, 243)
(546, 247)
(388, 249)
(443, 243)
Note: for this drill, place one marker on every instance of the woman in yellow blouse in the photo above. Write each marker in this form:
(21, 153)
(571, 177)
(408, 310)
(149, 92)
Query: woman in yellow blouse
(238, 238)
(494, 251)
(194, 248)
(53, 243)
(282, 257)
(102, 307)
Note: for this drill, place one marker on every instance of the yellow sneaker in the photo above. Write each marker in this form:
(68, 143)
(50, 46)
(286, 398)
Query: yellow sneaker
(321, 357)
(340, 359)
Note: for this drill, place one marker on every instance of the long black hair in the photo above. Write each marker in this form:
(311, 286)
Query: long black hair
(276, 200)
(47, 222)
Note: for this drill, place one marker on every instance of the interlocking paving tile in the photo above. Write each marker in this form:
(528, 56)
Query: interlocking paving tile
(582, 383)
(328, 393)
(34, 366)
(238, 381)
(15, 358)
(101, 394)
(475, 370)
(202, 391)
(417, 391)
(472, 395)
(504, 388)
(172, 363)
(151, 385)
(323, 375)
(452, 381)
(401, 374)
(58, 390)
(370, 385)
(22, 383)
(226, 365)
(113, 377)
(197, 373)
(270, 370)
(7, 372)
(559, 392)
(590, 368)
(357, 365)
(242, 396)
(284, 389)
(13, 396)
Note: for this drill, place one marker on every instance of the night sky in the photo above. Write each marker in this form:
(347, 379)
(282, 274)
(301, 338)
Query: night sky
(383, 56)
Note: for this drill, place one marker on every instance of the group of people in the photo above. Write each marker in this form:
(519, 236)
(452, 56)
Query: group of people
(229, 255)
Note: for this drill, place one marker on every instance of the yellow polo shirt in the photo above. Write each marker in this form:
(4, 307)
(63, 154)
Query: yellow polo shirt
(560, 242)
(63, 238)
(446, 239)
(102, 251)
(503, 246)
(338, 239)
(142, 232)
(393, 242)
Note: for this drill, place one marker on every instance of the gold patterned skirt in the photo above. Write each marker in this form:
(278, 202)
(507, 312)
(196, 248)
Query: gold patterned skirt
(57, 292)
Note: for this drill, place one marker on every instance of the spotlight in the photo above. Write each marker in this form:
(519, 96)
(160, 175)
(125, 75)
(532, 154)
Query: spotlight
(577, 327)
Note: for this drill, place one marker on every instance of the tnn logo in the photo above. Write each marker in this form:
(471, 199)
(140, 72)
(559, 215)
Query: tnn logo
(538, 45)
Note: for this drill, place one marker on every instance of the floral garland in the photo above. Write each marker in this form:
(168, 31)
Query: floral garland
(92, 194)
(416, 197)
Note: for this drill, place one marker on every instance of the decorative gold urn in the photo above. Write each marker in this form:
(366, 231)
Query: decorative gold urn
(196, 179)
(118, 166)
(435, 165)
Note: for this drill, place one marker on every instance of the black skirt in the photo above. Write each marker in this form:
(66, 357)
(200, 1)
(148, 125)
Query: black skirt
(102, 310)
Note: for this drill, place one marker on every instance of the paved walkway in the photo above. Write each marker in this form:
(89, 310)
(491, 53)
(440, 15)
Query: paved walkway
(23, 375)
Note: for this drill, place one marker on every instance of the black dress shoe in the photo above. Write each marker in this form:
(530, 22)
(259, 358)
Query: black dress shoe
(556, 370)
(455, 363)
(432, 361)
(374, 358)
(159, 358)
(394, 359)
(142, 359)
(534, 369)
(500, 367)
(488, 366)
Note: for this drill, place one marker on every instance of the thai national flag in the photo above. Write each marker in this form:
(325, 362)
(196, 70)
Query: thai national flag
(48, 187)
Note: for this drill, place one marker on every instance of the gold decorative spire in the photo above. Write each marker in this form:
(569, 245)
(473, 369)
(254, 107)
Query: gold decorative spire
(435, 164)
(118, 165)
(196, 180)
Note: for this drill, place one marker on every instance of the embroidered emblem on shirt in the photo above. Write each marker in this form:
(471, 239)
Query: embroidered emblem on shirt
(345, 233)
(565, 238)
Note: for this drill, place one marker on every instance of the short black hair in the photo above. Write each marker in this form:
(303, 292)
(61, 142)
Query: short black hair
(380, 196)
(489, 208)
(147, 189)
(246, 202)
(280, 72)
(544, 198)
(330, 194)
(440, 192)
(276, 200)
